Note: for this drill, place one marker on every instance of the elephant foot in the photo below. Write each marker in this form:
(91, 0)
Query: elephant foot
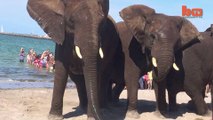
(82, 108)
(132, 114)
(202, 111)
(55, 117)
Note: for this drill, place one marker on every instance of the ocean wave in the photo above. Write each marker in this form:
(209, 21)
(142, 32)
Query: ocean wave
(17, 85)
(2, 79)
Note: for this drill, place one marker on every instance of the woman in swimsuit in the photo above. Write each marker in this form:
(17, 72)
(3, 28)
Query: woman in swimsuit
(21, 55)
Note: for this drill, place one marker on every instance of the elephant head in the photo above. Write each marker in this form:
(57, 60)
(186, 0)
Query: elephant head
(162, 34)
(210, 29)
(82, 18)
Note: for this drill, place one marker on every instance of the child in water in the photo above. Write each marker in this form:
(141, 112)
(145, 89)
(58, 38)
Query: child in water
(21, 55)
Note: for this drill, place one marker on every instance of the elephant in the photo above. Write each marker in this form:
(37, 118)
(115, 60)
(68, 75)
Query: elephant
(137, 63)
(195, 72)
(160, 36)
(87, 48)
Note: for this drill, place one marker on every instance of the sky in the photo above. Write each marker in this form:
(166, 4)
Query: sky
(15, 19)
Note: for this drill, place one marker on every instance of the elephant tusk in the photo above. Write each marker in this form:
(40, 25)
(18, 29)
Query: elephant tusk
(78, 52)
(175, 67)
(101, 53)
(154, 62)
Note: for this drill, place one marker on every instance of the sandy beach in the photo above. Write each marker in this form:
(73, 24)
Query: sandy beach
(34, 104)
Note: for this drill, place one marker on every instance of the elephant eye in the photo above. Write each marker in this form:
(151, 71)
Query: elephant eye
(153, 36)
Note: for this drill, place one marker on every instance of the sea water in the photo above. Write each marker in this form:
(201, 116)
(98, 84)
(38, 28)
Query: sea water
(14, 74)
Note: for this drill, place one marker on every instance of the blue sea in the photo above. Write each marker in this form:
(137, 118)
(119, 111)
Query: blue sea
(14, 74)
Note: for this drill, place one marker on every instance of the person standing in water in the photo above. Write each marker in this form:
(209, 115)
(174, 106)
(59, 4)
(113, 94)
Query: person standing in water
(21, 55)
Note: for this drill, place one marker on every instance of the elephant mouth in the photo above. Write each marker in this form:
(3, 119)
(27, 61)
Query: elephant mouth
(154, 63)
(78, 52)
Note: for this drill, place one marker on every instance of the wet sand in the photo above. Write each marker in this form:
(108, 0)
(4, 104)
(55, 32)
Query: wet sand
(34, 104)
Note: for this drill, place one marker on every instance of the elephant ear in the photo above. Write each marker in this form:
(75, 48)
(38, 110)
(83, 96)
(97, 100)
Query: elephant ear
(210, 29)
(105, 6)
(109, 35)
(49, 14)
(188, 32)
(135, 19)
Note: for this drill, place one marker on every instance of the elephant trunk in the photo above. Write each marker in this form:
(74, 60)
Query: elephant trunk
(88, 19)
(87, 39)
(91, 77)
(164, 62)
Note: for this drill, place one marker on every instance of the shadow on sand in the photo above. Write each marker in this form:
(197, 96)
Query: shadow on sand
(118, 111)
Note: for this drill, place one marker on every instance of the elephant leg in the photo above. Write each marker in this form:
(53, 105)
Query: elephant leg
(81, 89)
(60, 82)
(132, 74)
(172, 88)
(200, 105)
(204, 92)
(160, 95)
(198, 101)
(116, 91)
(109, 92)
(196, 94)
(118, 77)
(104, 90)
(172, 100)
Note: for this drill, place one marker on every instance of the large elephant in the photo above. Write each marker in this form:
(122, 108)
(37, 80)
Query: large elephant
(86, 49)
(162, 35)
(195, 72)
(137, 63)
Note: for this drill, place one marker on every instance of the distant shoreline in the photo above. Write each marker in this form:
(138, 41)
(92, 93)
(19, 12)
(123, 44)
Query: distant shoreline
(25, 35)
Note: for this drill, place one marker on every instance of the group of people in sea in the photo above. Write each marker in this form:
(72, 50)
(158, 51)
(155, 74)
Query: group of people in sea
(44, 60)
